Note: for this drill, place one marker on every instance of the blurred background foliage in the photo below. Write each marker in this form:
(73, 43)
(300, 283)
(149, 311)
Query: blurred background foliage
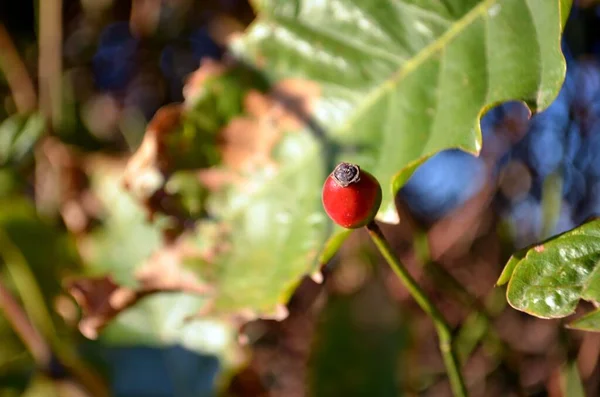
(64, 212)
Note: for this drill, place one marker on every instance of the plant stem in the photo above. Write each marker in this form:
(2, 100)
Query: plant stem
(36, 310)
(15, 73)
(50, 78)
(441, 326)
(29, 335)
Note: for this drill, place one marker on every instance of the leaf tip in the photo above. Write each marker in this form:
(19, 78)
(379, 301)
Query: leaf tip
(504, 277)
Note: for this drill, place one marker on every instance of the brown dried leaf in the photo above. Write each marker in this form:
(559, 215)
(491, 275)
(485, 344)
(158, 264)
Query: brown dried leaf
(247, 141)
(144, 175)
(101, 299)
(61, 185)
(246, 144)
(163, 271)
(93, 295)
(209, 68)
(147, 170)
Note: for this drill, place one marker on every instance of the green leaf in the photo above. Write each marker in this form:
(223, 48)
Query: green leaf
(276, 230)
(510, 266)
(49, 253)
(122, 244)
(549, 279)
(209, 106)
(588, 322)
(18, 136)
(570, 380)
(261, 234)
(11, 182)
(333, 245)
(13, 355)
(34, 258)
(164, 320)
(383, 86)
(403, 80)
(551, 202)
(126, 238)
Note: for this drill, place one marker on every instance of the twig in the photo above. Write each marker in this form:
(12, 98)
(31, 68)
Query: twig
(144, 17)
(36, 310)
(441, 326)
(35, 343)
(50, 60)
(31, 338)
(101, 300)
(16, 74)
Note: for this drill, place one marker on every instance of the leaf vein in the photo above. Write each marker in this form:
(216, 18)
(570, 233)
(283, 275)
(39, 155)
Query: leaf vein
(426, 53)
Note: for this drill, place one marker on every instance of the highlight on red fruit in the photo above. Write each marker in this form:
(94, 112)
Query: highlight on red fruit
(351, 196)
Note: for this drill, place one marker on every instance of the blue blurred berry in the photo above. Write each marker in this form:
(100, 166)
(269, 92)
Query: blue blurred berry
(114, 61)
(442, 183)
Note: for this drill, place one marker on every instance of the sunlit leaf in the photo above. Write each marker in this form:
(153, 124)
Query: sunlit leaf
(18, 135)
(383, 86)
(589, 322)
(126, 238)
(549, 279)
(404, 80)
(122, 246)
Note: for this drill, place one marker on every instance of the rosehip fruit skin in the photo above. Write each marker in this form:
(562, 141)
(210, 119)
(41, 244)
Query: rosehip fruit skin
(351, 196)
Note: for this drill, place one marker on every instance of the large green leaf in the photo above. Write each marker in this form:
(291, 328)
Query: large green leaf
(276, 231)
(125, 239)
(260, 234)
(402, 80)
(549, 279)
(385, 85)
(123, 244)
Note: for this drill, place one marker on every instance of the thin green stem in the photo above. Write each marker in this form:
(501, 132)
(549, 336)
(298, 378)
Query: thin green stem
(37, 311)
(441, 326)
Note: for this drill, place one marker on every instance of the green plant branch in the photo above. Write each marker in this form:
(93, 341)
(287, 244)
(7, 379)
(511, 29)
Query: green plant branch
(20, 323)
(483, 312)
(443, 329)
(16, 74)
(37, 312)
(50, 77)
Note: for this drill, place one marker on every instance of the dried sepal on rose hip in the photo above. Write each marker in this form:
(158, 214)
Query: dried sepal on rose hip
(351, 196)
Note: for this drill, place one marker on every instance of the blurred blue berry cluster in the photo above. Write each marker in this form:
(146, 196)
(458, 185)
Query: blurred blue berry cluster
(119, 56)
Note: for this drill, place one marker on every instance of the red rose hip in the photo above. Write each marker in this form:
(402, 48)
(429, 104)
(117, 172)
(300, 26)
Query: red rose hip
(351, 196)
